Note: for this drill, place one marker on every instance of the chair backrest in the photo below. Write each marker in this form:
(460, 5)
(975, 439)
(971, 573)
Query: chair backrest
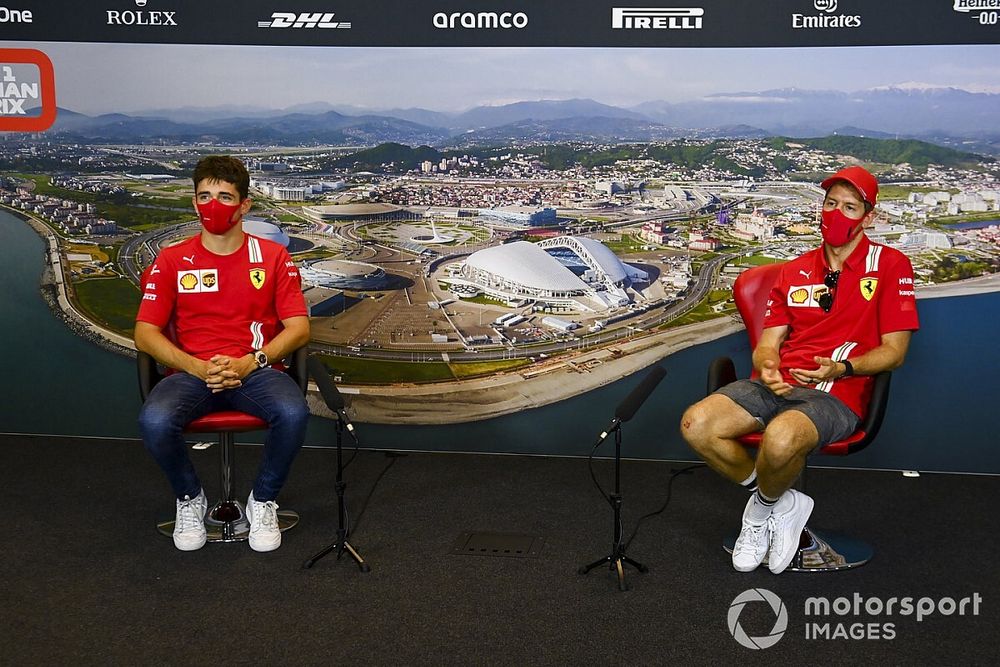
(750, 293)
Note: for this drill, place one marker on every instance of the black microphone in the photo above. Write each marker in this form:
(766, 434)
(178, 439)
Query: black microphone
(331, 395)
(626, 409)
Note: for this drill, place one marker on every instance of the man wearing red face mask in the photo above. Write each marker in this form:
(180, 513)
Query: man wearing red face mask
(222, 308)
(836, 316)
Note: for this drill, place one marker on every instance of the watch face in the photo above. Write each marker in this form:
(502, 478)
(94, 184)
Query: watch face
(261, 358)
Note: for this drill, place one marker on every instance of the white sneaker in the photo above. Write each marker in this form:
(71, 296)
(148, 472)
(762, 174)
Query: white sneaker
(752, 544)
(789, 517)
(189, 523)
(263, 517)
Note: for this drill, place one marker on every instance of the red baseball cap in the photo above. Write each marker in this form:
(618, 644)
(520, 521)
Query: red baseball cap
(860, 178)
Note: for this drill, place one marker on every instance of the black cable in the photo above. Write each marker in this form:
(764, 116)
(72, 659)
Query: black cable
(590, 465)
(674, 473)
(354, 455)
(393, 457)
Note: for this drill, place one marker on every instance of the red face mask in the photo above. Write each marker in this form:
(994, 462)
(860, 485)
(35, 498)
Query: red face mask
(217, 217)
(837, 228)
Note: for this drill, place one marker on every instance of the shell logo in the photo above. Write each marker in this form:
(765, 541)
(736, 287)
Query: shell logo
(800, 295)
(189, 281)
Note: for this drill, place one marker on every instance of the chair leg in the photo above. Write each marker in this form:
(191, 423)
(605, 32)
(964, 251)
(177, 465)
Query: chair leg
(226, 521)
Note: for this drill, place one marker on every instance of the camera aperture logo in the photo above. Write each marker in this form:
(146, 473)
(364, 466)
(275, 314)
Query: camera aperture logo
(857, 617)
(27, 84)
(780, 618)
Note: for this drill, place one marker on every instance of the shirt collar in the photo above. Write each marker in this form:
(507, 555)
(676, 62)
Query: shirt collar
(855, 262)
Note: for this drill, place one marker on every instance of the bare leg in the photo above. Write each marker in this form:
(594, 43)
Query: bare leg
(711, 427)
(787, 442)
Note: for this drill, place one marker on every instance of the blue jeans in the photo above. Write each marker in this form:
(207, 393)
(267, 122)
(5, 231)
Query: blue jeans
(181, 398)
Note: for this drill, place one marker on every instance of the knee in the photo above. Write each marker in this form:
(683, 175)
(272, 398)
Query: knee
(783, 446)
(155, 420)
(696, 426)
(157, 425)
(293, 413)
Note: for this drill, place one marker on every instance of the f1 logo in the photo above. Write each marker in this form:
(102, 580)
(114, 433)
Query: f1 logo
(16, 90)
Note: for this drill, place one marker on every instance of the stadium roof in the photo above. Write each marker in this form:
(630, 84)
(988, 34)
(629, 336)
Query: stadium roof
(265, 230)
(527, 264)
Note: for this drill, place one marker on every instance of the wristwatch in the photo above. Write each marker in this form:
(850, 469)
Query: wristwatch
(848, 368)
(261, 358)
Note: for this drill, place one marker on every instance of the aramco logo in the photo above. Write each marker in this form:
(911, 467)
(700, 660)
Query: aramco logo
(780, 618)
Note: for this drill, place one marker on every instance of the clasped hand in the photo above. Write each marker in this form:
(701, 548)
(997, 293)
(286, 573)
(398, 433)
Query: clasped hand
(224, 372)
(772, 379)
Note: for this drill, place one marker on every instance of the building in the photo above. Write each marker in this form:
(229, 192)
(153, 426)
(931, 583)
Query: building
(520, 216)
(753, 227)
(576, 273)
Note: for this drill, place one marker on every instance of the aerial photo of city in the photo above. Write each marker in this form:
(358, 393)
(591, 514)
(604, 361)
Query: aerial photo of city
(484, 234)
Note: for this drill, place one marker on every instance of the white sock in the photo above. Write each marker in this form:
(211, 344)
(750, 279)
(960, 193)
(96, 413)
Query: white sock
(760, 507)
(750, 483)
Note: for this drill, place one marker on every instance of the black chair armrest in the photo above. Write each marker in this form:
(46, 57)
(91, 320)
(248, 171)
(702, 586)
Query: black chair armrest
(297, 367)
(149, 374)
(876, 411)
(721, 372)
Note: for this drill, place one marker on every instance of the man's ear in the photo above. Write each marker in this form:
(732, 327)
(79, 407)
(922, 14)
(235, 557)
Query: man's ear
(245, 206)
(869, 219)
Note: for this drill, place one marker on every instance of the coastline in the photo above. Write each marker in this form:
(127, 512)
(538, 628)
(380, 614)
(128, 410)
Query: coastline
(53, 290)
(967, 287)
(474, 399)
(550, 382)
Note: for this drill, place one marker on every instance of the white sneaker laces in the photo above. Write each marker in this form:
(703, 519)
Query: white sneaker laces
(187, 514)
(750, 538)
(265, 514)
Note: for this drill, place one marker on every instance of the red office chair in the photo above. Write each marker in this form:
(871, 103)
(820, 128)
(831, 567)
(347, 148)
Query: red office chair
(225, 521)
(818, 551)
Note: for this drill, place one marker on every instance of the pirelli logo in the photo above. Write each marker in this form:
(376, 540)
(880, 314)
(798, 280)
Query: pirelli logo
(657, 18)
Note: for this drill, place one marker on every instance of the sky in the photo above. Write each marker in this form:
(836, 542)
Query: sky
(102, 78)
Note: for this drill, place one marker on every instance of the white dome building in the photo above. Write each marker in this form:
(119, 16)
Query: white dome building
(522, 270)
(265, 230)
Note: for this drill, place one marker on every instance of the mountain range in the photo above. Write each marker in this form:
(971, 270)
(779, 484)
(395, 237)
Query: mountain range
(948, 116)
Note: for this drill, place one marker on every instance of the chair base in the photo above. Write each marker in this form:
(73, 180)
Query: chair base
(823, 552)
(226, 521)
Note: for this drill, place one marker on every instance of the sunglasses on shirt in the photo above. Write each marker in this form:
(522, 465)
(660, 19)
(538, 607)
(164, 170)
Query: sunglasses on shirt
(826, 298)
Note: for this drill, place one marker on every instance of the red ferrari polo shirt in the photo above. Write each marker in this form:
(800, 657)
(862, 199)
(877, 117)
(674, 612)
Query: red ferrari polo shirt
(222, 304)
(873, 296)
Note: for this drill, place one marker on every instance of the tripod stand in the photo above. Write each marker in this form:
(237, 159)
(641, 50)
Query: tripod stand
(617, 560)
(341, 544)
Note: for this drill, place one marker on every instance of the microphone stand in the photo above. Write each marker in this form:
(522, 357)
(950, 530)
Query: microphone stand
(617, 560)
(341, 544)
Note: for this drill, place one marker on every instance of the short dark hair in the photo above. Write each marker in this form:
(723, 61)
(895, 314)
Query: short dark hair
(860, 195)
(223, 168)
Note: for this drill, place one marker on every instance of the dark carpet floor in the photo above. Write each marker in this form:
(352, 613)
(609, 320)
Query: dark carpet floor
(87, 580)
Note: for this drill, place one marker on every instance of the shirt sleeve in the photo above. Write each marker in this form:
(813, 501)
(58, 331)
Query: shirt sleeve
(898, 304)
(289, 301)
(159, 293)
(776, 311)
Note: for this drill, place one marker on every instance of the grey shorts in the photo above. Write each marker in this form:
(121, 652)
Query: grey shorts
(832, 418)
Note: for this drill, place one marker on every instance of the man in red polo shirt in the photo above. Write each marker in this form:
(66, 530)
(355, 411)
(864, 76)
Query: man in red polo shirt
(836, 316)
(221, 309)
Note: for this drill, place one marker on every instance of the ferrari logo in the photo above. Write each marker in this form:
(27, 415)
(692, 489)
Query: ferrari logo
(257, 277)
(868, 286)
